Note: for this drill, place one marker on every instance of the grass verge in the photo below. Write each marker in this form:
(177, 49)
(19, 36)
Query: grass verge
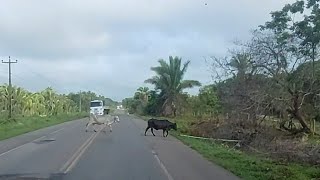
(28, 124)
(244, 165)
(249, 166)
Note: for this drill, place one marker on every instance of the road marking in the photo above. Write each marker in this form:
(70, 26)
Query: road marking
(65, 166)
(162, 166)
(18, 147)
(77, 155)
(74, 162)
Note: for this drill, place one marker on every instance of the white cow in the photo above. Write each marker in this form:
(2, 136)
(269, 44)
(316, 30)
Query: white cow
(106, 120)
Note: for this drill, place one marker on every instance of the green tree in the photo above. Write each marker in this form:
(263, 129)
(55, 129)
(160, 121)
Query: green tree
(290, 44)
(46, 102)
(142, 93)
(169, 80)
(209, 99)
(195, 105)
(154, 104)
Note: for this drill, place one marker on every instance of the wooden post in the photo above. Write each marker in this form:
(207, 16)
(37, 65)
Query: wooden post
(314, 127)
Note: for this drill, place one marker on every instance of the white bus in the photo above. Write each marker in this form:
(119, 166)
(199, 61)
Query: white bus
(96, 107)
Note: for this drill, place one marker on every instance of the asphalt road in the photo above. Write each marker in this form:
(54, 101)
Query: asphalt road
(67, 152)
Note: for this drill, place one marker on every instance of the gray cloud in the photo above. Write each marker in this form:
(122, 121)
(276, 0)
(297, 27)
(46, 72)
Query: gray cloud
(109, 46)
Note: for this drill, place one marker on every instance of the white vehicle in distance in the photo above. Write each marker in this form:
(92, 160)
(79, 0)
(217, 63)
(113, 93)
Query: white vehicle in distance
(120, 107)
(96, 107)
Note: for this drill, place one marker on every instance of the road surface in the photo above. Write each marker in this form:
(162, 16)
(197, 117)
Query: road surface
(67, 152)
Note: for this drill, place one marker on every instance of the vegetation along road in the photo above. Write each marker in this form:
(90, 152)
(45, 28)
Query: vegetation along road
(258, 119)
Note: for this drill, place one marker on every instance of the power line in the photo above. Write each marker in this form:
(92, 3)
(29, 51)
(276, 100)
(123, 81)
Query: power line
(45, 78)
(10, 85)
(53, 83)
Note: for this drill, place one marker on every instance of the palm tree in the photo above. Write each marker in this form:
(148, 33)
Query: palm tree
(241, 64)
(169, 80)
(143, 94)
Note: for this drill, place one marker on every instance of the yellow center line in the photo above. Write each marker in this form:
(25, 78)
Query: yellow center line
(76, 156)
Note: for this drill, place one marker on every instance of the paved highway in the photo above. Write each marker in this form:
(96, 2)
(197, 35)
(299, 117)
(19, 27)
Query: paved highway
(67, 152)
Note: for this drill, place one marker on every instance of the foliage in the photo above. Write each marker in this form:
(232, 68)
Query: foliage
(44, 103)
(154, 104)
(86, 97)
(169, 80)
(206, 102)
(291, 44)
(276, 71)
(142, 94)
(249, 166)
(209, 99)
(133, 105)
(270, 81)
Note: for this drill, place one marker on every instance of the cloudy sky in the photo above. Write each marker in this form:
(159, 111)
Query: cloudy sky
(108, 46)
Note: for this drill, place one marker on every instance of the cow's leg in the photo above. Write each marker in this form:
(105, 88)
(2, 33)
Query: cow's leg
(163, 131)
(104, 128)
(94, 129)
(167, 133)
(145, 132)
(90, 123)
(152, 132)
(93, 125)
(87, 125)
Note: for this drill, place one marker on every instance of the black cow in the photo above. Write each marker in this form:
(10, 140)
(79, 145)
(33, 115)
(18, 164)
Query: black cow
(156, 124)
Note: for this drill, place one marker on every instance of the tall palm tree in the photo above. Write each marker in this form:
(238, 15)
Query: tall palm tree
(169, 80)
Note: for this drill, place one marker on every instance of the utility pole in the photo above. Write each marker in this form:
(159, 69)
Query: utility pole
(10, 85)
(80, 101)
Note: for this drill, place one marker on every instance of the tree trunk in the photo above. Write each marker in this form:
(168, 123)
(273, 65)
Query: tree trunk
(297, 114)
(167, 111)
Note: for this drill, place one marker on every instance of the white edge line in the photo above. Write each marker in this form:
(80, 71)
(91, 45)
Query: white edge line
(35, 139)
(18, 147)
(162, 166)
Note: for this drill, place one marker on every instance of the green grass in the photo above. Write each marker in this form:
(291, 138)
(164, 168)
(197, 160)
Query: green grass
(28, 124)
(249, 166)
(243, 165)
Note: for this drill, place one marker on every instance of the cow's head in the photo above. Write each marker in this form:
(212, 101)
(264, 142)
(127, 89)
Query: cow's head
(174, 126)
(116, 119)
